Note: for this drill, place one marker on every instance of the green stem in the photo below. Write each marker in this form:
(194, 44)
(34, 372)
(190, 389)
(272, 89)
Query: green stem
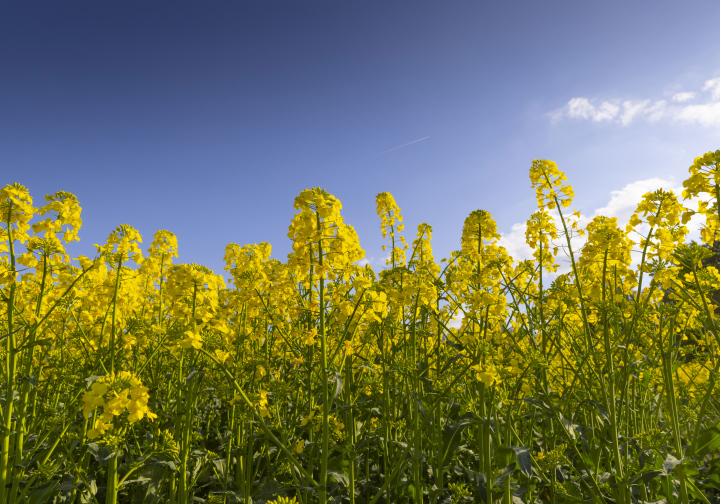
(10, 366)
(114, 318)
(610, 395)
(112, 481)
(324, 377)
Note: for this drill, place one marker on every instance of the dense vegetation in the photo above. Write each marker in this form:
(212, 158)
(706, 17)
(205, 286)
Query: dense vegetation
(130, 378)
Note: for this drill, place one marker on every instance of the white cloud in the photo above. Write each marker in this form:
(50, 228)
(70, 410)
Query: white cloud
(656, 111)
(631, 109)
(622, 205)
(713, 85)
(606, 112)
(705, 115)
(514, 242)
(625, 112)
(582, 108)
(374, 262)
(683, 97)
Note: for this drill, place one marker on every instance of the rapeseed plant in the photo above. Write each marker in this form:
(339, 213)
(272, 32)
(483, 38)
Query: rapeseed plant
(131, 378)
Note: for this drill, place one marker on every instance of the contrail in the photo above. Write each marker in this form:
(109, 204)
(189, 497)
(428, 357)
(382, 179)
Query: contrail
(395, 148)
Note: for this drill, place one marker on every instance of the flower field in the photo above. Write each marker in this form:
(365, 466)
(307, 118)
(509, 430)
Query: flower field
(587, 374)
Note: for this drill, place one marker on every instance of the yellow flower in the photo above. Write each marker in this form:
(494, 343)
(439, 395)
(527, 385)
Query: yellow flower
(320, 227)
(116, 394)
(262, 403)
(308, 338)
(283, 500)
(486, 374)
(299, 446)
(192, 340)
(337, 425)
(545, 177)
(307, 419)
(221, 355)
(100, 427)
(379, 301)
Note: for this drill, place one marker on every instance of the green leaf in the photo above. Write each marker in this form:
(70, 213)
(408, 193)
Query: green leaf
(603, 412)
(452, 435)
(339, 477)
(569, 426)
(450, 362)
(502, 476)
(41, 495)
(539, 404)
(708, 440)
(101, 453)
(503, 455)
(648, 476)
(220, 466)
(524, 461)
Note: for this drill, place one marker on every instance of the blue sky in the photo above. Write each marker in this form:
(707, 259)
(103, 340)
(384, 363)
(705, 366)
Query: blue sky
(208, 118)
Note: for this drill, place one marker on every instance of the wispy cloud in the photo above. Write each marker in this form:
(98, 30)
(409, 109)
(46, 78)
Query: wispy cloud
(688, 107)
(683, 97)
(713, 85)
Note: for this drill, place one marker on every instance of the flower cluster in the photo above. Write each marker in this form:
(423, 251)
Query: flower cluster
(547, 180)
(116, 394)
